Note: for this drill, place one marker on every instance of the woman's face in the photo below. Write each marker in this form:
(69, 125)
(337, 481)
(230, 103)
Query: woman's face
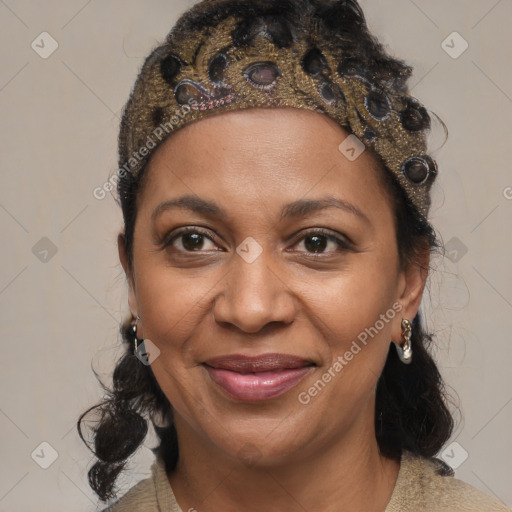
(273, 314)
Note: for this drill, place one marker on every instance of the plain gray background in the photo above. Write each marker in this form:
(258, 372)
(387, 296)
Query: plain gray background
(62, 291)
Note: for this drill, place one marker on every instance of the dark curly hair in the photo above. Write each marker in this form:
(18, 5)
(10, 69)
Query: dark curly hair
(411, 403)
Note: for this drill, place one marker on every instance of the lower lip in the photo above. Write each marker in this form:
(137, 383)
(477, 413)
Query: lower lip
(257, 386)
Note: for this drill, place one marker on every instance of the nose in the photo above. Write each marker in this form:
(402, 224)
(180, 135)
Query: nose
(253, 295)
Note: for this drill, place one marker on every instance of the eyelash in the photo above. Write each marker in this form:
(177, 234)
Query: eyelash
(342, 244)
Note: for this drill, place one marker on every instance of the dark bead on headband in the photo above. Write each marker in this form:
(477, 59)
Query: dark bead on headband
(415, 117)
(217, 69)
(378, 105)
(187, 90)
(169, 68)
(262, 75)
(314, 63)
(417, 169)
(327, 93)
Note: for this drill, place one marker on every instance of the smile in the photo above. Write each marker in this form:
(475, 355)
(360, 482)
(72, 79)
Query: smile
(257, 378)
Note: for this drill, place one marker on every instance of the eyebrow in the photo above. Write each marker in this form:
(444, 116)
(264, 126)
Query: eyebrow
(299, 208)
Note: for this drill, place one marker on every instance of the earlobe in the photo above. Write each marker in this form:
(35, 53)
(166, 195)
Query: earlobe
(411, 287)
(123, 258)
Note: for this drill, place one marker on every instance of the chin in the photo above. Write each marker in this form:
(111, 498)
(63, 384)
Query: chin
(261, 442)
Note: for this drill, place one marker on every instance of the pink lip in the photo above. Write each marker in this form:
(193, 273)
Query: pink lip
(253, 378)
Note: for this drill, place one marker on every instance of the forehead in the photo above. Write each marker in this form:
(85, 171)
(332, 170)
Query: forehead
(263, 155)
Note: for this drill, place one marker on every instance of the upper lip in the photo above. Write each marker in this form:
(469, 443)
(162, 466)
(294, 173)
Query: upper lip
(260, 363)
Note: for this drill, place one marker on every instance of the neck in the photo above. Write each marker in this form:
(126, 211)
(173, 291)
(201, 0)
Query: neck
(346, 474)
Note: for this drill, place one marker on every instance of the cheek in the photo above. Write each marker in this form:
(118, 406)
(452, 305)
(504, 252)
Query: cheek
(355, 300)
(356, 312)
(172, 307)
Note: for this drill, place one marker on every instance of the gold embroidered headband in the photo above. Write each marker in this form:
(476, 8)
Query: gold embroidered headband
(225, 55)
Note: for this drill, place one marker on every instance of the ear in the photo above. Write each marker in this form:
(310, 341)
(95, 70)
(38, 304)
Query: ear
(123, 258)
(412, 282)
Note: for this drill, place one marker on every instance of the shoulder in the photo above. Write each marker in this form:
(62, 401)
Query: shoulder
(152, 494)
(140, 498)
(429, 485)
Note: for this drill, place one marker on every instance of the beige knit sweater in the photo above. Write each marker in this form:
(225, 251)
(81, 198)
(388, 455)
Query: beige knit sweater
(421, 487)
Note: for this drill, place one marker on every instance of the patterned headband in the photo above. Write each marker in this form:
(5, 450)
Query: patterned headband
(225, 55)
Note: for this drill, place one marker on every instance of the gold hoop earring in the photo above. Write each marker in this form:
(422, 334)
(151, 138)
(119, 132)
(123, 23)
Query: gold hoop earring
(405, 350)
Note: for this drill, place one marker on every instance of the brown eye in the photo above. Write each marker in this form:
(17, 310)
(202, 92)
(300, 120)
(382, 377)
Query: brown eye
(192, 240)
(317, 242)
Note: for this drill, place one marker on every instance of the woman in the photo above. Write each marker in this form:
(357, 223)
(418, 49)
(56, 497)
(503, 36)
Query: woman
(275, 189)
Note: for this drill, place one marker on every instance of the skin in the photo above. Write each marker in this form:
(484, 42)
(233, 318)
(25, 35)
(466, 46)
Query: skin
(202, 303)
